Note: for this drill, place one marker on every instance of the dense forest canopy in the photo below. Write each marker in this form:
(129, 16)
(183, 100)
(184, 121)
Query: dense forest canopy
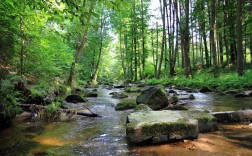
(71, 42)
(86, 40)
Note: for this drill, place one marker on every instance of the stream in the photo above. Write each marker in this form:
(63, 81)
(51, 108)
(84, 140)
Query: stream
(105, 136)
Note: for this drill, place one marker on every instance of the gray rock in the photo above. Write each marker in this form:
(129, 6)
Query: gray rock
(154, 97)
(185, 96)
(233, 116)
(205, 89)
(142, 107)
(117, 95)
(156, 127)
(75, 98)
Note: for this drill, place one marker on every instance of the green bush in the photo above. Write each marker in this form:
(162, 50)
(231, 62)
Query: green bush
(52, 112)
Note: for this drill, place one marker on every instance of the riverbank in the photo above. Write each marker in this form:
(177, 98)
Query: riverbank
(225, 81)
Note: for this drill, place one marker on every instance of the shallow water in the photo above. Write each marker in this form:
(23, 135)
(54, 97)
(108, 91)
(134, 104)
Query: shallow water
(106, 135)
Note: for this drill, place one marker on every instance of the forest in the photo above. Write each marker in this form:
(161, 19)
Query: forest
(49, 48)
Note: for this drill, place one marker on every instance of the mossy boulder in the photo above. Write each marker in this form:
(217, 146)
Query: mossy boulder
(207, 122)
(154, 97)
(75, 98)
(118, 95)
(155, 127)
(133, 89)
(119, 84)
(125, 105)
(152, 127)
(142, 107)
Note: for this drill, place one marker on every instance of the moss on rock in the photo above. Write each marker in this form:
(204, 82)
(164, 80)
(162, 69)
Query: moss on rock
(125, 105)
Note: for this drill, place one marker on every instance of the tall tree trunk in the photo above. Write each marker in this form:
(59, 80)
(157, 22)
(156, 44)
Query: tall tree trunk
(251, 48)
(157, 50)
(162, 8)
(212, 37)
(95, 72)
(153, 51)
(79, 50)
(239, 38)
(22, 45)
(143, 42)
(188, 71)
(135, 40)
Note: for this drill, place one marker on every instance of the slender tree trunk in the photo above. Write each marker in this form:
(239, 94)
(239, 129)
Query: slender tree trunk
(156, 50)
(162, 8)
(79, 50)
(251, 48)
(153, 51)
(188, 71)
(143, 42)
(22, 45)
(239, 38)
(94, 75)
(135, 40)
(212, 37)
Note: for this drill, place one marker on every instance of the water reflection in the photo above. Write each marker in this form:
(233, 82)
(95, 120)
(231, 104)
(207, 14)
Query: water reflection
(106, 135)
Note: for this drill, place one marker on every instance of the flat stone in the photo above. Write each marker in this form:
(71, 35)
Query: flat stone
(185, 96)
(233, 116)
(154, 127)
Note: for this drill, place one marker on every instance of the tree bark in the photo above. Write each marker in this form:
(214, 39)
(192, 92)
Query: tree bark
(162, 8)
(188, 71)
(143, 42)
(239, 39)
(22, 45)
(212, 37)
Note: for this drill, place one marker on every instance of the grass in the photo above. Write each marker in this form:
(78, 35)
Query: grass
(225, 80)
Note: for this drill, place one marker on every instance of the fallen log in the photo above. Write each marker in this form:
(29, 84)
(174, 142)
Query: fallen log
(233, 116)
(69, 112)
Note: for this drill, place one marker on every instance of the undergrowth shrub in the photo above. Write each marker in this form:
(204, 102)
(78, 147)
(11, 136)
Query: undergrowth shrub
(52, 112)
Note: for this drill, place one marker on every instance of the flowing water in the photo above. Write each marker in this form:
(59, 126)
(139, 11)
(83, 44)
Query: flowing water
(106, 135)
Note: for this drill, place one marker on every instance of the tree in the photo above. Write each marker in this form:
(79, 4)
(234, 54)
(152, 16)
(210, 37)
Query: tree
(239, 38)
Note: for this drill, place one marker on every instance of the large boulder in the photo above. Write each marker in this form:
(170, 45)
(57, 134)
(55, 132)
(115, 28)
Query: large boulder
(118, 95)
(75, 98)
(154, 127)
(119, 84)
(154, 97)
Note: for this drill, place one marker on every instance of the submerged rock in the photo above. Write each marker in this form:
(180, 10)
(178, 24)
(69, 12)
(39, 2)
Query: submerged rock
(185, 96)
(117, 95)
(75, 98)
(234, 116)
(154, 97)
(154, 127)
(133, 89)
(244, 94)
